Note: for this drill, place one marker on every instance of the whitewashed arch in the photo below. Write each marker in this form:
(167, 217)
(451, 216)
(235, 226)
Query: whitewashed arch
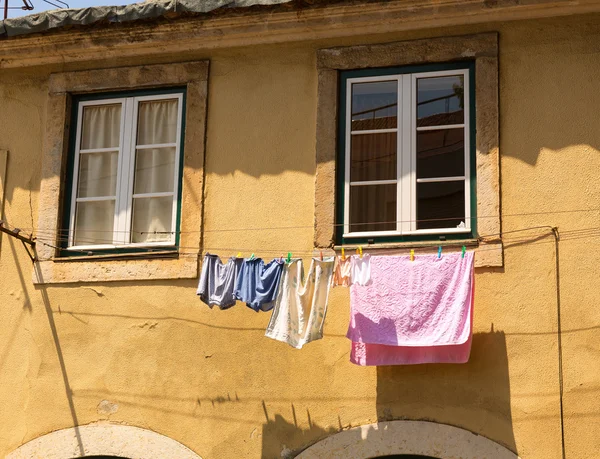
(103, 440)
(407, 437)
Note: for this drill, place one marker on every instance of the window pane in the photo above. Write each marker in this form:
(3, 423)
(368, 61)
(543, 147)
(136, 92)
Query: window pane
(440, 101)
(101, 126)
(94, 222)
(150, 215)
(440, 204)
(157, 122)
(374, 105)
(154, 169)
(373, 157)
(373, 208)
(97, 174)
(441, 153)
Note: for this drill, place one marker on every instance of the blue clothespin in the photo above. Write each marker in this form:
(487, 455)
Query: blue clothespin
(440, 251)
(464, 249)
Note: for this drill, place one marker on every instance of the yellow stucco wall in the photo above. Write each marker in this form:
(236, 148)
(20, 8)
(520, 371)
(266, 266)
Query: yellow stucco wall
(212, 381)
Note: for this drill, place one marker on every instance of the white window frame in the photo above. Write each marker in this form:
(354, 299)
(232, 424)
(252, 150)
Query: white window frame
(125, 172)
(406, 158)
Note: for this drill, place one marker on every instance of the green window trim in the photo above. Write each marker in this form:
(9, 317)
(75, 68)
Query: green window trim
(63, 235)
(344, 76)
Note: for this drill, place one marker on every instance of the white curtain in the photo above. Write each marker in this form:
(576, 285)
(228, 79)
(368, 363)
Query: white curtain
(101, 128)
(154, 170)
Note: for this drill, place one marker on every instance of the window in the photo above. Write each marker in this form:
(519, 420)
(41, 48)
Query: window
(405, 153)
(126, 172)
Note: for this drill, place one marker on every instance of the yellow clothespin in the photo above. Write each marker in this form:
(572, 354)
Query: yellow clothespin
(239, 255)
(360, 251)
(343, 255)
(412, 254)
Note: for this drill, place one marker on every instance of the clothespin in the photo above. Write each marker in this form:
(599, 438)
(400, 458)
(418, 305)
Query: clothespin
(464, 249)
(281, 258)
(289, 257)
(239, 255)
(321, 255)
(360, 250)
(343, 255)
(412, 254)
(440, 251)
(252, 257)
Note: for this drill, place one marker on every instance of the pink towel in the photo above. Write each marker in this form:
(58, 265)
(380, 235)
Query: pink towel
(413, 312)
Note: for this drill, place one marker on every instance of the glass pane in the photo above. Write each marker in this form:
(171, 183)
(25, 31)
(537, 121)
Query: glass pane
(441, 205)
(94, 222)
(154, 170)
(374, 105)
(97, 174)
(373, 208)
(157, 122)
(441, 153)
(150, 215)
(373, 157)
(440, 101)
(101, 126)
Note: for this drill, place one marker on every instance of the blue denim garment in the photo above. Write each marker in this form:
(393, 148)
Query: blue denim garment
(257, 283)
(218, 280)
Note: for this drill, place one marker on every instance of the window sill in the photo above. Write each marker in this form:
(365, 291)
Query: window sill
(115, 267)
(488, 254)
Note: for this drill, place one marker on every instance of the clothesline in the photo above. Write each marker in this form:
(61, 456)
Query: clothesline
(310, 252)
(269, 228)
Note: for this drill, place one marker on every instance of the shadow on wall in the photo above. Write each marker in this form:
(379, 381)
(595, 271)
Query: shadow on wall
(474, 396)
(277, 433)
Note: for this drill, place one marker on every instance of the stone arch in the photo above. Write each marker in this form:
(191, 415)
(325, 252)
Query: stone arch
(103, 440)
(419, 438)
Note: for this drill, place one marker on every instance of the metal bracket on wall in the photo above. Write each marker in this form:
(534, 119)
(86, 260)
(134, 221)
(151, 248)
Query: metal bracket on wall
(24, 240)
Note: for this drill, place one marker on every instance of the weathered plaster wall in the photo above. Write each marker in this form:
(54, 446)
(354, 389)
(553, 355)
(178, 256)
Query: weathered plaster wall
(149, 354)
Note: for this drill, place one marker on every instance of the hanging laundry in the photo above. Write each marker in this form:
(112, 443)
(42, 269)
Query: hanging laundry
(361, 269)
(301, 303)
(218, 280)
(257, 284)
(343, 272)
(379, 354)
(413, 311)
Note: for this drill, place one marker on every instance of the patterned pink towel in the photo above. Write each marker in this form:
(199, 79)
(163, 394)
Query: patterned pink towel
(413, 312)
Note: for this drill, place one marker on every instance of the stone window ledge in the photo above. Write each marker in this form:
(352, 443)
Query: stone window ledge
(50, 269)
(481, 48)
(62, 271)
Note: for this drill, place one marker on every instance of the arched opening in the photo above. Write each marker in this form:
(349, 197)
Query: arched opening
(102, 457)
(403, 456)
(406, 440)
(103, 441)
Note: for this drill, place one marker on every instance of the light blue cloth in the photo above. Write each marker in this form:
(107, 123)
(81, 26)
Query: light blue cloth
(218, 280)
(257, 283)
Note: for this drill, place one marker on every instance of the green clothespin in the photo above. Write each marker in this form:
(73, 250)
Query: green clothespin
(464, 249)
(252, 257)
(289, 257)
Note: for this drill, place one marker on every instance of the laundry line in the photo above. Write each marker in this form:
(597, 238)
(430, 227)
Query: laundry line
(37, 230)
(308, 252)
